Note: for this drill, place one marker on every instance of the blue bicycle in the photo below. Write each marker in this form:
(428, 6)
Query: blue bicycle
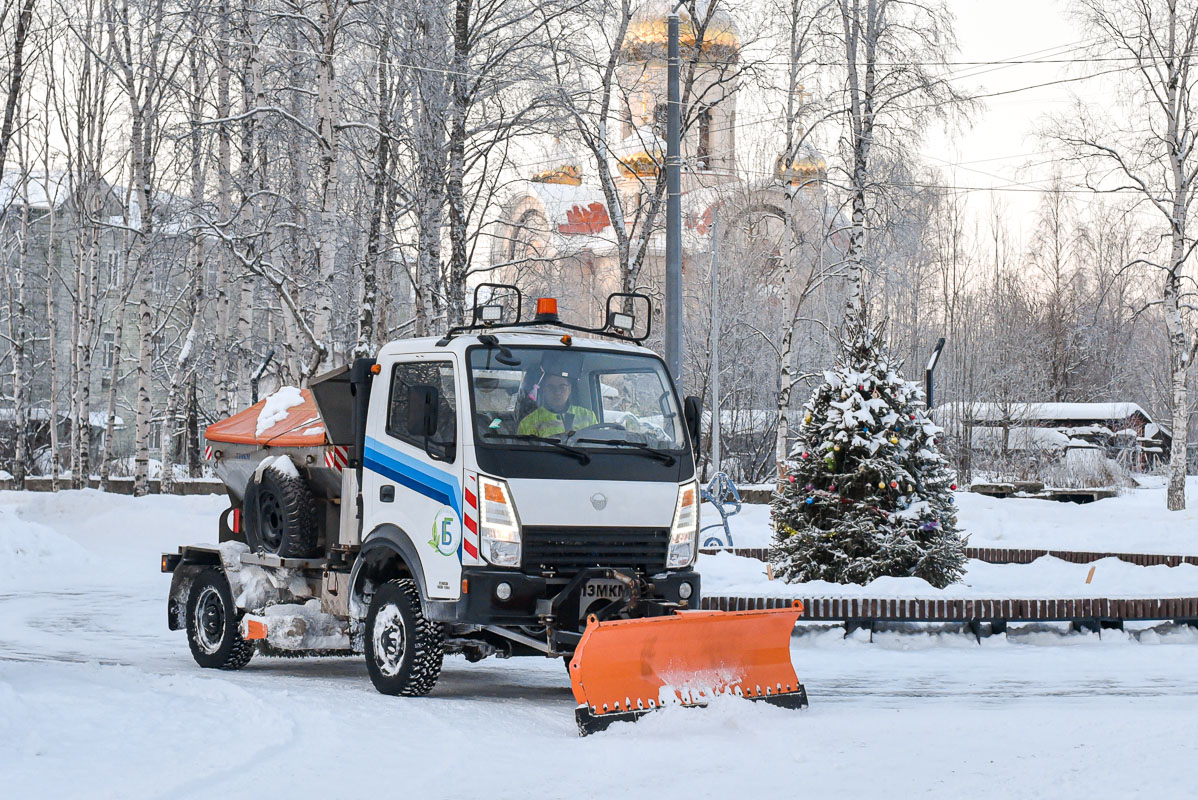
(722, 493)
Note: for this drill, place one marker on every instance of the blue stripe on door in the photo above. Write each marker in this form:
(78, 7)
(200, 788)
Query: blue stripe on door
(416, 475)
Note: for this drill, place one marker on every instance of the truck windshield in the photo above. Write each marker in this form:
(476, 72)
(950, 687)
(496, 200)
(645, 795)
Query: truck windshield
(575, 400)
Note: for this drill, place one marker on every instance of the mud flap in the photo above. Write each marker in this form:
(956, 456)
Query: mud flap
(624, 669)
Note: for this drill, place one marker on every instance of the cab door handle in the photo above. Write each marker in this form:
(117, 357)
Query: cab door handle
(386, 494)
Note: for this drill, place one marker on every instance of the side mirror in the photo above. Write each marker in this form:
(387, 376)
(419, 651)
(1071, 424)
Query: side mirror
(692, 411)
(422, 411)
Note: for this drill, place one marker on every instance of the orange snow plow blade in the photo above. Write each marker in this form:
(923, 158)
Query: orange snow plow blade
(623, 669)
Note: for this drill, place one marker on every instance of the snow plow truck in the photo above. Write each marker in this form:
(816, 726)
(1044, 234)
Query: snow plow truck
(514, 488)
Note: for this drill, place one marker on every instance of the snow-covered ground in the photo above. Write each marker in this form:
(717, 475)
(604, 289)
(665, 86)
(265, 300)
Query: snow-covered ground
(99, 699)
(1134, 522)
(1046, 578)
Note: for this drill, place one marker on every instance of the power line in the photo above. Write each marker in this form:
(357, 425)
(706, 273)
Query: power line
(996, 63)
(1051, 57)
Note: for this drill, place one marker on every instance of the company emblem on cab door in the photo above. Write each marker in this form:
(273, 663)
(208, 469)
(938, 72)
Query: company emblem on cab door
(447, 532)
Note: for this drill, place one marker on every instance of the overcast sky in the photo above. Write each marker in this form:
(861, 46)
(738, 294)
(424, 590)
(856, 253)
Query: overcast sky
(1000, 148)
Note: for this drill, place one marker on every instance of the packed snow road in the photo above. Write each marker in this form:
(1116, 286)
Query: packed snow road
(99, 699)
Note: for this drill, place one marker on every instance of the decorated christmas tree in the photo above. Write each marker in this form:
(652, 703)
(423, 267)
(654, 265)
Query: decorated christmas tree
(866, 492)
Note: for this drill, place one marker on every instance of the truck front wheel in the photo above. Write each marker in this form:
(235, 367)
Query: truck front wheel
(403, 648)
(212, 623)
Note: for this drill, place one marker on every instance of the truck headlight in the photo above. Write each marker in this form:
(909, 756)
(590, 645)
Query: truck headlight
(685, 528)
(498, 525)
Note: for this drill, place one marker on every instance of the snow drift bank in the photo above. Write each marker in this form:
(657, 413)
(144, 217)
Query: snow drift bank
(31, 551)
(88, 535)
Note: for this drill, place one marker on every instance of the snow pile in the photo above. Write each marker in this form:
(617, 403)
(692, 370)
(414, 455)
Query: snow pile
(1045, 578)
(275, 409)
(89, 535)
(29, 550)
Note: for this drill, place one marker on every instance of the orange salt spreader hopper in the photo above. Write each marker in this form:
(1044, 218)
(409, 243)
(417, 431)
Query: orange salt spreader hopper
(299, 426)
(623, 669)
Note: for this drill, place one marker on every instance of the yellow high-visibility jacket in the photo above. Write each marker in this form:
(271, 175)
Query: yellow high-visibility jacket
(543, 422)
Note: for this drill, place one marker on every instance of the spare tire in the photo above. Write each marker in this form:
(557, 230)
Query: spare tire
(280, 515)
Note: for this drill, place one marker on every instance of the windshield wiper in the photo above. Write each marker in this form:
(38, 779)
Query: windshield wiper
(651, 452)
(582, 456)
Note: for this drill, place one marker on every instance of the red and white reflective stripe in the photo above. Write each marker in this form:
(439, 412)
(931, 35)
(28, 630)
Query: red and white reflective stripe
(470, 516)
(336, 457)
(208, 452)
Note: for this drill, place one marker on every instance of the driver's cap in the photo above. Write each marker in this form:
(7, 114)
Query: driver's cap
(560, 364)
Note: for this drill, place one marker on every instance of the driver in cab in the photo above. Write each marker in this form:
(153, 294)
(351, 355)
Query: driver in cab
(554, 414)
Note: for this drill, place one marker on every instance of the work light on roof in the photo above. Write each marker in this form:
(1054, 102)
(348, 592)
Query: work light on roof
(489, 312)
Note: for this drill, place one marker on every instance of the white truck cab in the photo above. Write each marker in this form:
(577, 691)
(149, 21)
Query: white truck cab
(520, 457)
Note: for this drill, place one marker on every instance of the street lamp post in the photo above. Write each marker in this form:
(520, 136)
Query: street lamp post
(673, 204)
(932, 368)
(715, 340)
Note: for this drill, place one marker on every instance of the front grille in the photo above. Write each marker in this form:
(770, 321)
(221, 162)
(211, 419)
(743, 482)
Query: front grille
(568, 550)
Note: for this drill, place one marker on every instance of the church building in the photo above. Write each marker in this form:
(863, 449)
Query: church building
(557, 231)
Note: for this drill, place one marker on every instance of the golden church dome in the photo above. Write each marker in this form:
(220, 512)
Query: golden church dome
(804, 166)
(646, 39)
(639, 154)
(562, 168)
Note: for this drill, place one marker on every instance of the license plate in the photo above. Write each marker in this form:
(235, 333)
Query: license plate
(605, 589)
(598, 589)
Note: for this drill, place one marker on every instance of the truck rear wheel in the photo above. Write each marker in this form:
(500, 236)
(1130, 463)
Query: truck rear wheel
(212, 624)
(403, 649)
(280, 515)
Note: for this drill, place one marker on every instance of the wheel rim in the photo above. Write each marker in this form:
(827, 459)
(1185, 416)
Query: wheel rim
(389, 637)
(210, 620)
(270, 520)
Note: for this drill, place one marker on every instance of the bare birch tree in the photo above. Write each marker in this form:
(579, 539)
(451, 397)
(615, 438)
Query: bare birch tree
(144, 56)
(1150, 151)
(888, 95)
